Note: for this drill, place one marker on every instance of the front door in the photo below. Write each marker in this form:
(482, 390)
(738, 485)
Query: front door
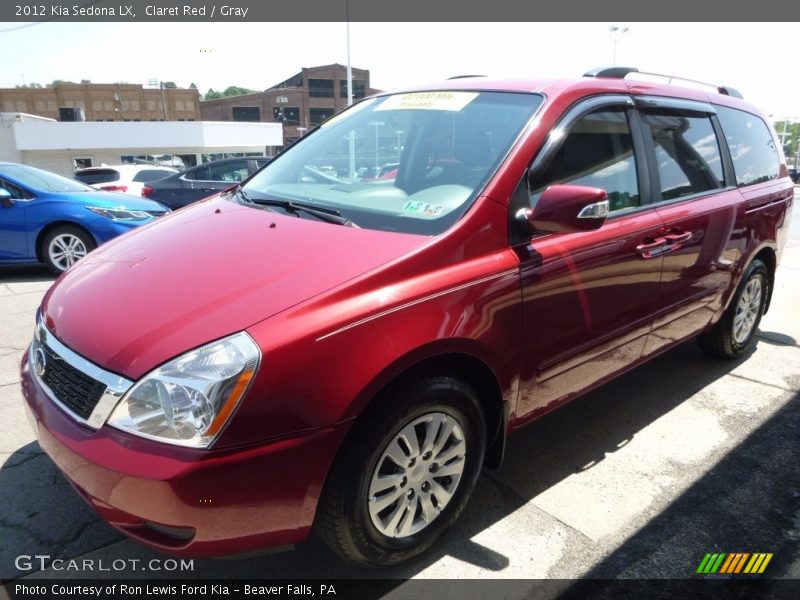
(589, 298)
(13, 228)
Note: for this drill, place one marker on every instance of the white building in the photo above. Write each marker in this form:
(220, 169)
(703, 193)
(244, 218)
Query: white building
(60, 147)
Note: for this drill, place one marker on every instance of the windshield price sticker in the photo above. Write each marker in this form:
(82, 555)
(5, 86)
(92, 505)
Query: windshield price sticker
(453, 101)
(423, 208)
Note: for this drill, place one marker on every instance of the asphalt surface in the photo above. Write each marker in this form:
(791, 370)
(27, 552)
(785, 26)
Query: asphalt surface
(639, 479)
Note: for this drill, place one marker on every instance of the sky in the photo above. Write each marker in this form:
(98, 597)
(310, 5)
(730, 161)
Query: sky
(754, 58)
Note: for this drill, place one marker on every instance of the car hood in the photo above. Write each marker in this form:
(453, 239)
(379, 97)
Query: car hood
(110, 200)
(200, 274)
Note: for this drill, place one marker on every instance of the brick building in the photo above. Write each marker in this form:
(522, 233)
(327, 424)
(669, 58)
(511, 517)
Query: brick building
(105, 102)
(301, 102)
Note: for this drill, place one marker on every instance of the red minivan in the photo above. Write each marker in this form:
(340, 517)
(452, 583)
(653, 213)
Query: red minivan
(318, 351)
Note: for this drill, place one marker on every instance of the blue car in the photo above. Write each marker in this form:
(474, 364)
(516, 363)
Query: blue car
(50, 219)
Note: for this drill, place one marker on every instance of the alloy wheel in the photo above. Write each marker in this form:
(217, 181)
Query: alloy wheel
(65, 250)
(747, 310)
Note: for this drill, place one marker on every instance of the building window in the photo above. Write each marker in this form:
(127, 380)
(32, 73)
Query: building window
(81, 162)
(318, 115)
(359, 88)
(246, 113)
(288, 115)
(321, 88)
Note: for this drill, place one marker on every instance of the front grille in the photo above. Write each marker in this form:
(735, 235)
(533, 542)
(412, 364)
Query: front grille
(74, 389)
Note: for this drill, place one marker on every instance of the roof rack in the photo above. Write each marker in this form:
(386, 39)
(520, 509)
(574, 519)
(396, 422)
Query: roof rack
(622, 72)
(464, 76)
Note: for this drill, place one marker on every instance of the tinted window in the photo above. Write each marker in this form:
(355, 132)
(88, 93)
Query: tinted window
(97, 176)
(150, 175)
(755, 157)
(200, 174)
(687, 153)
(598, 152)
(232, 171)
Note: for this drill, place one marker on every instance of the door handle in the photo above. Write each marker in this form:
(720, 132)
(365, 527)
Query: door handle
(678, 237)
(652, 247)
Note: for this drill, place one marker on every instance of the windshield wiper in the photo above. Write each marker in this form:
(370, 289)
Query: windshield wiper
(329, 215)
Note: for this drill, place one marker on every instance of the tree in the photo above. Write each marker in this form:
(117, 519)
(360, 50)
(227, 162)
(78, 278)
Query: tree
(234, 90)
(212, 94)
(192, 86)
(789, 133)
(169, 85)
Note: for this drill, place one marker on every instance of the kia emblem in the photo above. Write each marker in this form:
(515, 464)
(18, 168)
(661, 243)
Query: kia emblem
(40, 362)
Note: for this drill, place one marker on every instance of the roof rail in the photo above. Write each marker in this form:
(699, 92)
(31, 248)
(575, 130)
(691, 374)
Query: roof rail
(622, 72)
(464, 76)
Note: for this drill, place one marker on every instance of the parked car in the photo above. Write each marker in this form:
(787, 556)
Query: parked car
(196, 183)
(127, 179)
(311, 353)
(48, 218)
(794, 173)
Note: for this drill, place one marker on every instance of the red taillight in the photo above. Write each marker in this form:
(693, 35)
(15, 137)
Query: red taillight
(114, 188)
(146, 191)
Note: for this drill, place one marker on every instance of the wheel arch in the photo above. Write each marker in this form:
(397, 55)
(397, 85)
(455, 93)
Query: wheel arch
(458, 363)
(770, 259)
(44, 231)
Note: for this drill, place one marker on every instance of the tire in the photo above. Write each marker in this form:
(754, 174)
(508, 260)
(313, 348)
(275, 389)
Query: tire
(64, 246)
(363, 514)
(735, 332)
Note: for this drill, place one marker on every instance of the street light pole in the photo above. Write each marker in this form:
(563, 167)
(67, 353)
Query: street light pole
(352, 144)
(616, 32)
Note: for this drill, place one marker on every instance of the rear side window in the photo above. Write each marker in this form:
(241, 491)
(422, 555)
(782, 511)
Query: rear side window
(200, 174)
(150, 175)
(98, 176)
(598, 152)
(232, 171)
(687, 153)
(755, 157)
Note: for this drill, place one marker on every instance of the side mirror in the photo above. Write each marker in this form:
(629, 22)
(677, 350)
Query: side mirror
(567, 209)
(6, 201)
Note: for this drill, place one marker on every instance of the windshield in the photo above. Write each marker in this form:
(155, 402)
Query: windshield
(406, 162)
(43, 181)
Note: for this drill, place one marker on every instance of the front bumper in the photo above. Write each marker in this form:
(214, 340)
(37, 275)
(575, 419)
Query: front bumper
(183, 501)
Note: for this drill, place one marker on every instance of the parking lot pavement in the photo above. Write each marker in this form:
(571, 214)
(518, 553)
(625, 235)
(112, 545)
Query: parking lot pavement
(682, 456)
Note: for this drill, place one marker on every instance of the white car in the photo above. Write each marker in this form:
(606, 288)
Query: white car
(126, 179)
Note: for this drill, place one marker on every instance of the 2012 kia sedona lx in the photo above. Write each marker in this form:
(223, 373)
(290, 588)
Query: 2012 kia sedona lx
(318, 350)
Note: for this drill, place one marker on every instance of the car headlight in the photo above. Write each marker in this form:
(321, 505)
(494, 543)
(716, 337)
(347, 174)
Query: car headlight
(188, 400)
(120, 214)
